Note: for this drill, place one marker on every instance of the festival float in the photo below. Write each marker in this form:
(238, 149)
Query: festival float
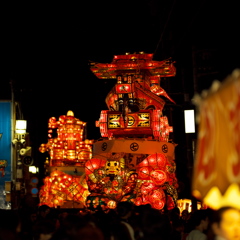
(65, 186)
(134, 159)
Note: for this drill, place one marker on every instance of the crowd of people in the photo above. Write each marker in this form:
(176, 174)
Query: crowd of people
(126, 222)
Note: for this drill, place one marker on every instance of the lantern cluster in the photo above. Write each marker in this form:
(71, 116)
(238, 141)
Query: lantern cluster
(60, 187)
(156, 182)
(109, 182)
(134, 160)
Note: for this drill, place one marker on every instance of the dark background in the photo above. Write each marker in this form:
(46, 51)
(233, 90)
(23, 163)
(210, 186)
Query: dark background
(47, 47)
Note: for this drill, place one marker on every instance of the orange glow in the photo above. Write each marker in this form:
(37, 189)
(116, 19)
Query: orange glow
(144, 172)
(61, 187)
(216, 173)
(158, 177)
(134, 61)
(93, 164)
(111, 204)
(144, 169)
(69, 144)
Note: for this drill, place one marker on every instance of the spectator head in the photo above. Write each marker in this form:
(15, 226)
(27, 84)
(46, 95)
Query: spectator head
(226, 223)
(43, 211)
(185, 214)
(154, 224)
(124, 209)
(43, 229)
(200, 219)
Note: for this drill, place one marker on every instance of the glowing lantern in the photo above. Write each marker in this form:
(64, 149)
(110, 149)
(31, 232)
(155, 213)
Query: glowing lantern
(156, 195)
(138, 201)
(143, 163)
(161, 159)
(144, 191)
(60, 187)
(55, 183)
(158, 204)
(93, 164)
(146, 187)
(154, 160)
(144, 172)
(65, 148)
(111, 204)
(159, 177)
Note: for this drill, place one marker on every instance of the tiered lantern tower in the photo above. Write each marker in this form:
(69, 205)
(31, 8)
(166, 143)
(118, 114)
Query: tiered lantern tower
(68, 151)
(134, 161)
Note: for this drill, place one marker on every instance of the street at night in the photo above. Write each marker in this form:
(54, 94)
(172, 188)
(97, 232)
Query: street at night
(128, 70)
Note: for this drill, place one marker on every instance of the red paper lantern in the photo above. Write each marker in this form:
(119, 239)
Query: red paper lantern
(158, 204)
(156, 195)
(154, 160)
(143, 163)
(138, 201)
(147, 187)
(157, 160)
(144, 172)
(161, 159)
(93, 164)
(159, 177)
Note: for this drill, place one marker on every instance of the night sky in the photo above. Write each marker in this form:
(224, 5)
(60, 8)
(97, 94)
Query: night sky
(47, 48)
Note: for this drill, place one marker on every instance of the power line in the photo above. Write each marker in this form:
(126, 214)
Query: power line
(165, 25)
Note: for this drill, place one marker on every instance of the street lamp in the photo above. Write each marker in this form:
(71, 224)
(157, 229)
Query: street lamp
(189, 120)
(21, 126)
(18, 141)
(20, 131)
(33, 169)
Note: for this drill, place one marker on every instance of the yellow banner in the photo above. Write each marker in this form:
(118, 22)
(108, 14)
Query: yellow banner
(217, 162)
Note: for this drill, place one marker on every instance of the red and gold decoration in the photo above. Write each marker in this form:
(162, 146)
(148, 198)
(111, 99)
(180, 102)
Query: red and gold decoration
(109, 180)
(60, 188)
(138, 124)
(135, 107)
(216, 178)
(68, 152)
(134, 160)
(134, 129)
(157, 182)
(68, 148)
